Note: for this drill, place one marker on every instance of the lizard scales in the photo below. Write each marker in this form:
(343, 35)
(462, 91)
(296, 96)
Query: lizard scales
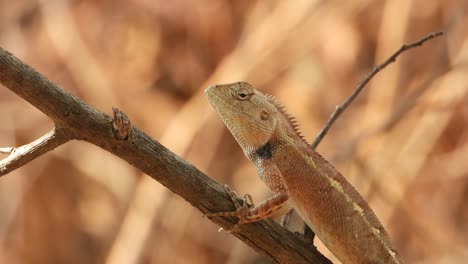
(299, 177)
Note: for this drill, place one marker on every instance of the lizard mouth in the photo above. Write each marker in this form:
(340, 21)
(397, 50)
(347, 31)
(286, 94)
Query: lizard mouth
(223, 109)
(210, 91)
(217, 100)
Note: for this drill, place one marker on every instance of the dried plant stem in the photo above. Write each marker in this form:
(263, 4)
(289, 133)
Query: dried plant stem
(21, 155)
(340, 108)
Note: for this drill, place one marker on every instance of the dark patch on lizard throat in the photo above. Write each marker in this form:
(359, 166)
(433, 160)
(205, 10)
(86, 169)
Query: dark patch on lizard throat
(264, 152)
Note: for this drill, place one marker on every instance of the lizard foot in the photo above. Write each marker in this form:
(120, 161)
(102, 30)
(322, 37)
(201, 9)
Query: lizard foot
(241, 209)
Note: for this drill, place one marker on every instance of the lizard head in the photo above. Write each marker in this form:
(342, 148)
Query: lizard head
(248, 114)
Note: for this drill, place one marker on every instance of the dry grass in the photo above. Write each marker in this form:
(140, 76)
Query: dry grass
(403, 143)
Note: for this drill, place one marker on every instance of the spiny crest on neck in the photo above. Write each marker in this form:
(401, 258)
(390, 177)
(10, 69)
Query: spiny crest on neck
(291, 120)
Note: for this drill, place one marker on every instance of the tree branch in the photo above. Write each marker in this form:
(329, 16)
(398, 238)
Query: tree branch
(339, 109)
(81, 121)
(24, 154)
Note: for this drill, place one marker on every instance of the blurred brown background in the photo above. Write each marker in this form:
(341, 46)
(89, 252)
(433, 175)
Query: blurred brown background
(403, 143)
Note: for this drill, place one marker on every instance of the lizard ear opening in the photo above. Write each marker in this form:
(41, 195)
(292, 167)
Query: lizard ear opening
(264, 115)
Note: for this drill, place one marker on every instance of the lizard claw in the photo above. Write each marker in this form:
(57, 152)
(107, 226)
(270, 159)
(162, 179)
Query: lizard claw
(248, 201)
(241, 209)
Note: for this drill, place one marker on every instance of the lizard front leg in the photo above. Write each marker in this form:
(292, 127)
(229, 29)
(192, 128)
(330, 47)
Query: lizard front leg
(248, 212)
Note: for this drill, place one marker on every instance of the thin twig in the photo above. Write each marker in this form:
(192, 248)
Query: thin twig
(339, 109)
(22, 155)
(6, 150)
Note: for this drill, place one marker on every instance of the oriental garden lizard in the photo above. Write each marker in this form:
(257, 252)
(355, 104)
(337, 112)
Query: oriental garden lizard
(299, 178)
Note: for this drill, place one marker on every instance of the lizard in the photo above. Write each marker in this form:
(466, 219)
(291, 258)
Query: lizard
(299, 177)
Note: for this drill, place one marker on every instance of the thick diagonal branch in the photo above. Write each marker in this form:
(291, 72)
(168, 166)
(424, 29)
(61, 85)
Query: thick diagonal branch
(83, 122)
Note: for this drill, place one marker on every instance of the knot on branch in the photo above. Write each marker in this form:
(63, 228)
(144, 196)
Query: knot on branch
(121, 125)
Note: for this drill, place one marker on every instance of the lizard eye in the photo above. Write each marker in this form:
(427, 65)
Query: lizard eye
(242, 94)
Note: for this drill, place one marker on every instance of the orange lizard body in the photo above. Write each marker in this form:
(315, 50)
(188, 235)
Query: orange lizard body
(299, 177)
